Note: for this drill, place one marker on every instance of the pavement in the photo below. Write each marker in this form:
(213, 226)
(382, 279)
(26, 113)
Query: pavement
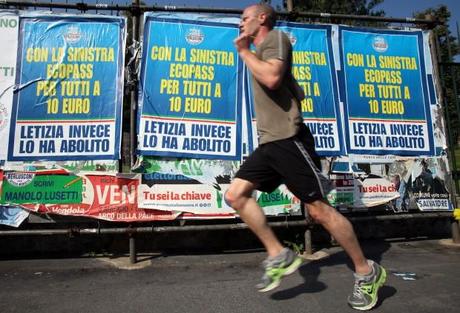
(423, 276)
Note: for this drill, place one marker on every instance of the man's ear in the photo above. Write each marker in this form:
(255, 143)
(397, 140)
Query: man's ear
(262, 18)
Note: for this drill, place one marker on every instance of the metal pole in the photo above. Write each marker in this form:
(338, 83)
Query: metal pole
(289, 5)
(308, 243)
(132, 249)
(455, 232)
(455, 223)
(451, 154)
(307, 235)
(453, 72)
(134, 96)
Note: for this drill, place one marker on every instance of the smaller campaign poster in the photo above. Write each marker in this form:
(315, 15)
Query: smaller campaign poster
(193, 198)
(342, 195)
(427, 187)
(373, 191)
(190, 97)
(110, 198)
(30, 188)
(279, 202)
(69, 88)
(12, 215)
(198, 187)
(9, 25)
(387, 107)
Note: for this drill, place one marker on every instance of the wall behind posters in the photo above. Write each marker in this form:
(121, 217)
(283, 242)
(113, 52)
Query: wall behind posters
(370, 103)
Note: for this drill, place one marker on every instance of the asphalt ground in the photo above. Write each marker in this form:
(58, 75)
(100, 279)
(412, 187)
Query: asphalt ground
(423, 276)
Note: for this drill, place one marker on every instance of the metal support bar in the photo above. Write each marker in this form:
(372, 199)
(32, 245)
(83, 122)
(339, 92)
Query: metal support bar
(77, 6)
(131, 231)
(127, 230)
(449, 63)
(235, 226)
(143, 8)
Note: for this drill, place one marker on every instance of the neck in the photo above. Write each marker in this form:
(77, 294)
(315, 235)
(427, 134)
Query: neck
(261, 34)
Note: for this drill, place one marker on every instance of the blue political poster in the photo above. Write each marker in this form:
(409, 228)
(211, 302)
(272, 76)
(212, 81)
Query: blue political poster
(386, 99)
(313, 68)
(190, 96)
(69, 88)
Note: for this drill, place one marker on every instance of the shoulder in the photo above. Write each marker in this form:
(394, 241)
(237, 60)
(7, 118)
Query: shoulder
(277, 36)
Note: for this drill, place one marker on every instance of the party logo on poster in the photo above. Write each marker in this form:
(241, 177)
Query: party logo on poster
(19, 179)
(380, 44)
(194, 36)
(72, 35)
(292, 38)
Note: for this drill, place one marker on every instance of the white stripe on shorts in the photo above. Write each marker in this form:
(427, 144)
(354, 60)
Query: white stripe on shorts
(323, 182)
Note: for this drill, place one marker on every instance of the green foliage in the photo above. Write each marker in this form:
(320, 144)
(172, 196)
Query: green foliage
(457, 158)
(348, 7)
(442, 14)
(448, 48)
(354, 7)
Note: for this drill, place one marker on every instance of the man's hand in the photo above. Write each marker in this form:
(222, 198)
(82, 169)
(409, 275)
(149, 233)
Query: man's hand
(242, 42)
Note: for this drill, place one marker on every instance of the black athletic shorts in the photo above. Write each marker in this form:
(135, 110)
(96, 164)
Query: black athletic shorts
(291, 161)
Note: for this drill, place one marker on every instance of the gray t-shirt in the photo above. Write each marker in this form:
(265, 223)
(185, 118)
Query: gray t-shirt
(278, 111)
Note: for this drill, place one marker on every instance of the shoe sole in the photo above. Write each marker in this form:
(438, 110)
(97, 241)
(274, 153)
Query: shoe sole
(289, 270)
(379, 283)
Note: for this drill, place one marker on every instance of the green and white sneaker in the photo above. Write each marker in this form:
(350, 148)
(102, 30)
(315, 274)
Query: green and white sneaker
(285, 263)
(365, 290)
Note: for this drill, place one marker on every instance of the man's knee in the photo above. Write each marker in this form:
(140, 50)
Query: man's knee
(231, 198)
(238, 193)
(320, 212)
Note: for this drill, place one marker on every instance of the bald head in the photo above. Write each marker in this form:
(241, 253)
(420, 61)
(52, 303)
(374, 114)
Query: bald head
(268, 11)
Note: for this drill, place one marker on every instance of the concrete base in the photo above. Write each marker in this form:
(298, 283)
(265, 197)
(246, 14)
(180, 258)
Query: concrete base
(449, 243)
(318, 255)
(124, 263)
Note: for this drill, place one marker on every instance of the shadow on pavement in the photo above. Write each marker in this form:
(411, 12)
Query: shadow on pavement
(311, 272)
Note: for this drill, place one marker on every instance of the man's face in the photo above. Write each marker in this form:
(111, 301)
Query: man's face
(250, 22)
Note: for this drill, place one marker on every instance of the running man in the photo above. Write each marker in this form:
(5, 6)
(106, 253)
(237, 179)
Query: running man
(286, 155)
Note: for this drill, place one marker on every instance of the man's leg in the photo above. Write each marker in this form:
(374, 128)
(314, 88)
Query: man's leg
(342, 231)
(369, 276)
(281, 261)
(239, 197)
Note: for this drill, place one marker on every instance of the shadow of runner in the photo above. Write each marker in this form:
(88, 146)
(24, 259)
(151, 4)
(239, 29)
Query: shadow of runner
(310, 271)
(385, 292)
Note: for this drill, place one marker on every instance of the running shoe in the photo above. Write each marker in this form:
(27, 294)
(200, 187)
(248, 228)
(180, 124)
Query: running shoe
(365, 290)
(285, 263)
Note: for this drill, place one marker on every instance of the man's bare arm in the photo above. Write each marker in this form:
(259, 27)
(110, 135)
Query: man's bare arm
(269, 73)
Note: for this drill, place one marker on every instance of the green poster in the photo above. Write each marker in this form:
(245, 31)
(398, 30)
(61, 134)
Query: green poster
(21, 188)
(277, 197)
